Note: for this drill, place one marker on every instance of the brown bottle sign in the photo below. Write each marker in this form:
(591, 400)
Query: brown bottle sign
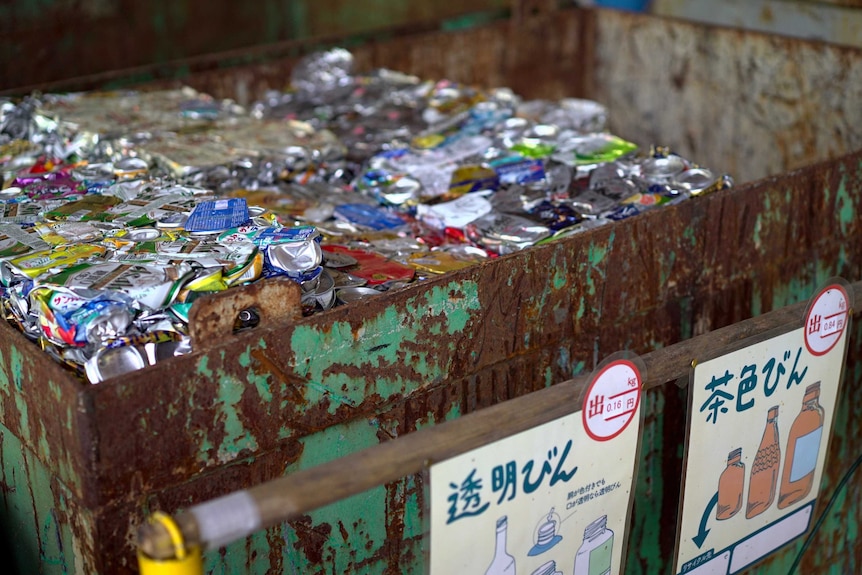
(759, 424)
(764, 471)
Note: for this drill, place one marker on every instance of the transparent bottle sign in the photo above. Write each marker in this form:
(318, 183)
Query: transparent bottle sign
(503, 563)
(594, 554)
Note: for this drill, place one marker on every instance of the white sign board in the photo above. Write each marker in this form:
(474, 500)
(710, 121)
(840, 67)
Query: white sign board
(550, 500)
(760, 422)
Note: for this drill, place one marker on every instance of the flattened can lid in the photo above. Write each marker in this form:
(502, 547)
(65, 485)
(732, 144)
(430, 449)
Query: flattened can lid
(142, 234)
(695, 180)
(345, 279)
(109, 363)
(94, 172)
(10, 192)
(437, 262)
(172, 221)
(338, 260)
(352, 294)
(662, 169)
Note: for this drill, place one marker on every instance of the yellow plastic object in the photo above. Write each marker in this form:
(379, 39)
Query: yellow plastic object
(186, 561)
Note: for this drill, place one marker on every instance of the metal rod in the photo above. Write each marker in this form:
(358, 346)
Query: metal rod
(239, 514)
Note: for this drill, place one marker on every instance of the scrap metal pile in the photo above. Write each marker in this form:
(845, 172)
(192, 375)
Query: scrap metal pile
(118, 210)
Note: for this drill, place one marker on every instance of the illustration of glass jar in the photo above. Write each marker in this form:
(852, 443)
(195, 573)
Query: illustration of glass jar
(803, 448)
(764, 470)
(730, 485)
(594, 554)
(503, 563)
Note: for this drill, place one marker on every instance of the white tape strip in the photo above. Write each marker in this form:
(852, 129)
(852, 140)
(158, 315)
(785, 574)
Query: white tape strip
(226, 519)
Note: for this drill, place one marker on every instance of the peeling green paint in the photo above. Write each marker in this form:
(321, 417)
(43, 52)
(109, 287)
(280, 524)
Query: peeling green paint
(238, 556)
(563, 360)
(649, 487)
(5, 384)
(756, 301)
(361, 516)
(16, 366)
(594, 266)
(755, 234)
(43, 444)
(413, 525)
(24, 415)
(32, 504)
(261, 381)
(794, 291)
(237, 438)
(203, 368)
(844, 206)
(381, 341)
(579, 368)
(666, 270)
(560, 278)
(688, 234)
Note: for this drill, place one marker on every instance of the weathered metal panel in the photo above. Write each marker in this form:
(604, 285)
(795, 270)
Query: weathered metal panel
(51, 40)
(838, 21)
(287, 396)
(42, 524)
(781, 109)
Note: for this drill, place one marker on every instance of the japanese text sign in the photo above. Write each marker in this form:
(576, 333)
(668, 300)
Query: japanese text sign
(553, 499)
(760, 422)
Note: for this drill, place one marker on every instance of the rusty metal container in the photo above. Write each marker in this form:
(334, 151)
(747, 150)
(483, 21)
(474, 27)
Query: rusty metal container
(81, 464)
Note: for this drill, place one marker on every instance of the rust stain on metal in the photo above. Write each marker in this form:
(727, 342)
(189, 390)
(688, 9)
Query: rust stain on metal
(311, 538)
(271, 366)
(275, 541)
(212, 317)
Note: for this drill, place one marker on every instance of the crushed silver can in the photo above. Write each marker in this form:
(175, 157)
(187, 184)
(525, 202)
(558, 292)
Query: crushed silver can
(108, 363)
(319, 292)
(505, 233)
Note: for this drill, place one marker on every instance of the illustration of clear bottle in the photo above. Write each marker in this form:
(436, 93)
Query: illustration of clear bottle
(730, 485)
(594, 554)
(764, 470)
(503, 563)
(803, 448)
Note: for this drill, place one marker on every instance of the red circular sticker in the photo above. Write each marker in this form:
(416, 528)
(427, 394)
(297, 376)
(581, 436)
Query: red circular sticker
(612, 400)
(826, 320)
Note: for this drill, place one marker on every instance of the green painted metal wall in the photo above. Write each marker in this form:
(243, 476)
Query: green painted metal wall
(37, 513)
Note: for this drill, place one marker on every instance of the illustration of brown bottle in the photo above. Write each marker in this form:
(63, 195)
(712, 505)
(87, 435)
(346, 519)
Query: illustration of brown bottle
(730, 485)
(803, 447)
(764, 470)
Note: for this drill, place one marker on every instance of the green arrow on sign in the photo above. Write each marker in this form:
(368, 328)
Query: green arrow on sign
(702, 532)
